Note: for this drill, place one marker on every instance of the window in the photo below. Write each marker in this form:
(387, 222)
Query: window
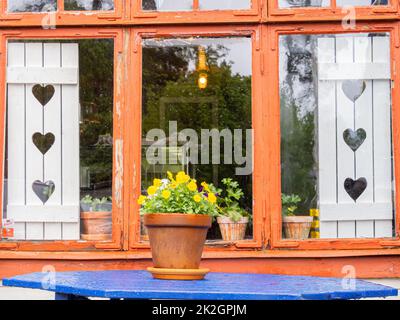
(336, 133)
(59, 138)
(32, 5)
(327, 3)
(196, 112)
(91, 5)
(187, 5)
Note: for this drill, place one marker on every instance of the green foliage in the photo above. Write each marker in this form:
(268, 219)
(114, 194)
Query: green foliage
(289, 204)
(229, 203)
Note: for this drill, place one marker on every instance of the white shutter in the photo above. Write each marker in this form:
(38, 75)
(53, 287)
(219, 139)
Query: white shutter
(354, 94)
(53, 66)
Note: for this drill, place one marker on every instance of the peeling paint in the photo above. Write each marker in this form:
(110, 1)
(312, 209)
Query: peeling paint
(119, 84)
(119, 172)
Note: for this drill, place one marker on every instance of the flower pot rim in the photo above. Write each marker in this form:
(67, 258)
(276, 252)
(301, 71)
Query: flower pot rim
(298, 218)
(228, 220)
(176, 220)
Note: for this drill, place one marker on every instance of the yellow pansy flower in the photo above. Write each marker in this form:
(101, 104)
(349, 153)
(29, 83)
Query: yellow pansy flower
(173, 185)
(197, 198)
(192, 186)
(170, 175)
(205, 186)
(182, 177)
(166, 194)
(141, 199)
(212, 198)
(157, 182)
(151, 190)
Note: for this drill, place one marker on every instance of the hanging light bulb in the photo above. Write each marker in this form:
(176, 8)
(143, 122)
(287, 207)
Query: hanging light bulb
(202, 81)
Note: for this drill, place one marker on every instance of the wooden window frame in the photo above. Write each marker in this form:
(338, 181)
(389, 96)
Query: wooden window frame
(135, 109)
(199, 16)
(118, 134)
(331, 12)
(63, 17)
(274, 138)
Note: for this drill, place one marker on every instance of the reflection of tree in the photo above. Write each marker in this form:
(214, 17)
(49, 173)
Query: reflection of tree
(89, 4)
(298, 106)
(96, 98)
(36, 6)
(149, 5)
(167, 74)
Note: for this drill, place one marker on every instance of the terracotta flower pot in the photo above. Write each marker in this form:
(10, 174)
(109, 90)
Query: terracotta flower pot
(96, 226)
(297, 227)
(177, 240)
(231, 230)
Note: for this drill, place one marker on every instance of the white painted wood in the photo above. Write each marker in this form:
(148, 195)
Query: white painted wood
(383, 228)
(35, 220)
(382, 143)
(364, 58)
(70, 115)
(342, 71)
(16, 138)
(43, 213)
(34, 159)
(344, 120)
(328, 229)
(52, 122)
(364, 154)
(346, 229)
(354, 211)
(327, 136)
(48, 75)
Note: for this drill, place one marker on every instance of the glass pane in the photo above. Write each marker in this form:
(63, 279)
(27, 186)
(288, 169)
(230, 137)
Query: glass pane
(61, 134)
(336, 143)
(342, 3)
(224, 4)
(167, 5)
(31, 5)
(89, 5)
(190, 87)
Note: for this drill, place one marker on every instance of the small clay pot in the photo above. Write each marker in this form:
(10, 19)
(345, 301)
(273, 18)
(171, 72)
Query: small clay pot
(96, 226)
(177, 240)
(297, 227)
(231, 230)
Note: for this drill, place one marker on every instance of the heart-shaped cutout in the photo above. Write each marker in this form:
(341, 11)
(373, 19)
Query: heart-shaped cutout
(353, 89)
(43, 142)
(43, 190)
(43, 93)
(354, 139)
(355, 188)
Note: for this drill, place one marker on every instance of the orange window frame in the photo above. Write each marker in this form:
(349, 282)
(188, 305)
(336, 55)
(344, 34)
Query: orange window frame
(134, 116)
(332, 12)
(273, 139)
(199, 16)
(118, 134)
(62, 17)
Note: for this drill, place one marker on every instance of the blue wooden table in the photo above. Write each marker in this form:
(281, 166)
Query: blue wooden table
(216, 286)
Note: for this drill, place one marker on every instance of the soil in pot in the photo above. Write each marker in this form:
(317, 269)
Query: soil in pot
(96, 226)
(297, 227)
(231, 230)
(177, 240)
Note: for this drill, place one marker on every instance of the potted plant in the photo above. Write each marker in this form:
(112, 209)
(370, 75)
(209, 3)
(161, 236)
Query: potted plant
(96, 224)
(232, 219)
(295, 226)
(86, 203)
(177, 216)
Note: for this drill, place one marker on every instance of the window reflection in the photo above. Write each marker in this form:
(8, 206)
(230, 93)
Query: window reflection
(31, 5)
(89, 5)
